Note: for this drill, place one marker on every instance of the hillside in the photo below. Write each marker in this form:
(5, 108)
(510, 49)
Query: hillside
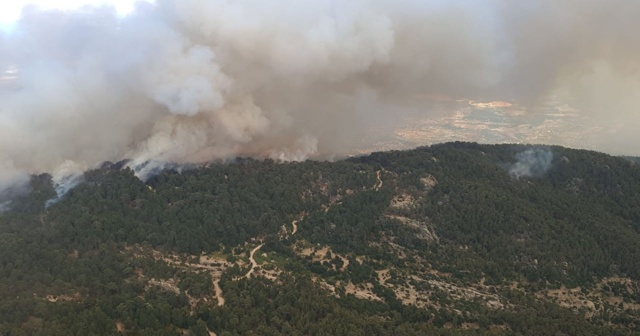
(451, 239)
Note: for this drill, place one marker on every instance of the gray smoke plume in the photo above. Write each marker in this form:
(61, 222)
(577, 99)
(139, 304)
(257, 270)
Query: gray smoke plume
(67, 177)
(188, 81)
(5, 206)
(531, 163)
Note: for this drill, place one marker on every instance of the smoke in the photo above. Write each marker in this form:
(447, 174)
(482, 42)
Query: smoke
(67, 177)
(5, 206)
(189, 81)
(531, 163)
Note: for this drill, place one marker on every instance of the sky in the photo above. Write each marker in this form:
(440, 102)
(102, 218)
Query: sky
(191, 81)
(10, 10)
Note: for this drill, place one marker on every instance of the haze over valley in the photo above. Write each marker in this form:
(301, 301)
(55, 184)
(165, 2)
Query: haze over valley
(195, 81)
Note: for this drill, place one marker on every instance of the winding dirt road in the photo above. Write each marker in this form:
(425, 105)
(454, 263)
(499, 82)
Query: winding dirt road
(379, 184)
(218, 291)
(254, 264)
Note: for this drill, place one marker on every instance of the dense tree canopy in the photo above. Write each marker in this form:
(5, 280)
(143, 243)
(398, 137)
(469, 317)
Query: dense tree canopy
(438, 240)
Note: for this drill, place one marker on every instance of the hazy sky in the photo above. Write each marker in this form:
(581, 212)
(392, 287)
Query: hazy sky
(190, 81)
(10, 10)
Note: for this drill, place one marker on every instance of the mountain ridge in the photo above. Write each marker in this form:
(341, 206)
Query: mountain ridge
(443, 239)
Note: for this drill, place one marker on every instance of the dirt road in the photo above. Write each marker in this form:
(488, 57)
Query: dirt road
(218, 291)
(379, 184)
(254, 264)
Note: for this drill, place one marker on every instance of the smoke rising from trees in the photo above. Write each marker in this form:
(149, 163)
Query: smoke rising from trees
(531, 163)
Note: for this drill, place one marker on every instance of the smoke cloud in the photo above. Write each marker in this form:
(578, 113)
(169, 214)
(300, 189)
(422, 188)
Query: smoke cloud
(5, 206)
(67, 177)
(531, 163)
(189, 81)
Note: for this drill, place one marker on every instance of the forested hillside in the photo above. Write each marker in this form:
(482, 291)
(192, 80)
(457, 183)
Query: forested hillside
(451, 239)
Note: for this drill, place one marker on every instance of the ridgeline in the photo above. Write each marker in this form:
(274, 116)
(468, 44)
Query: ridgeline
(451, 239)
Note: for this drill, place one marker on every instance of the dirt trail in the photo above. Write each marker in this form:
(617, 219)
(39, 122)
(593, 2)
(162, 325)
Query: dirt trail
(379, 184)
(294, 223)
(254, 264)
(205, 263)
(218, 291)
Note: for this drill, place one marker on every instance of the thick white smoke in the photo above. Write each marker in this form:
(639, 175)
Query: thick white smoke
(531, 163)
(188, 81)
(67, 177)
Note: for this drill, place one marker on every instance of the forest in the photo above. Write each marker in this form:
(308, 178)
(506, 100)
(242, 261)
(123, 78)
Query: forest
(450, 239)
